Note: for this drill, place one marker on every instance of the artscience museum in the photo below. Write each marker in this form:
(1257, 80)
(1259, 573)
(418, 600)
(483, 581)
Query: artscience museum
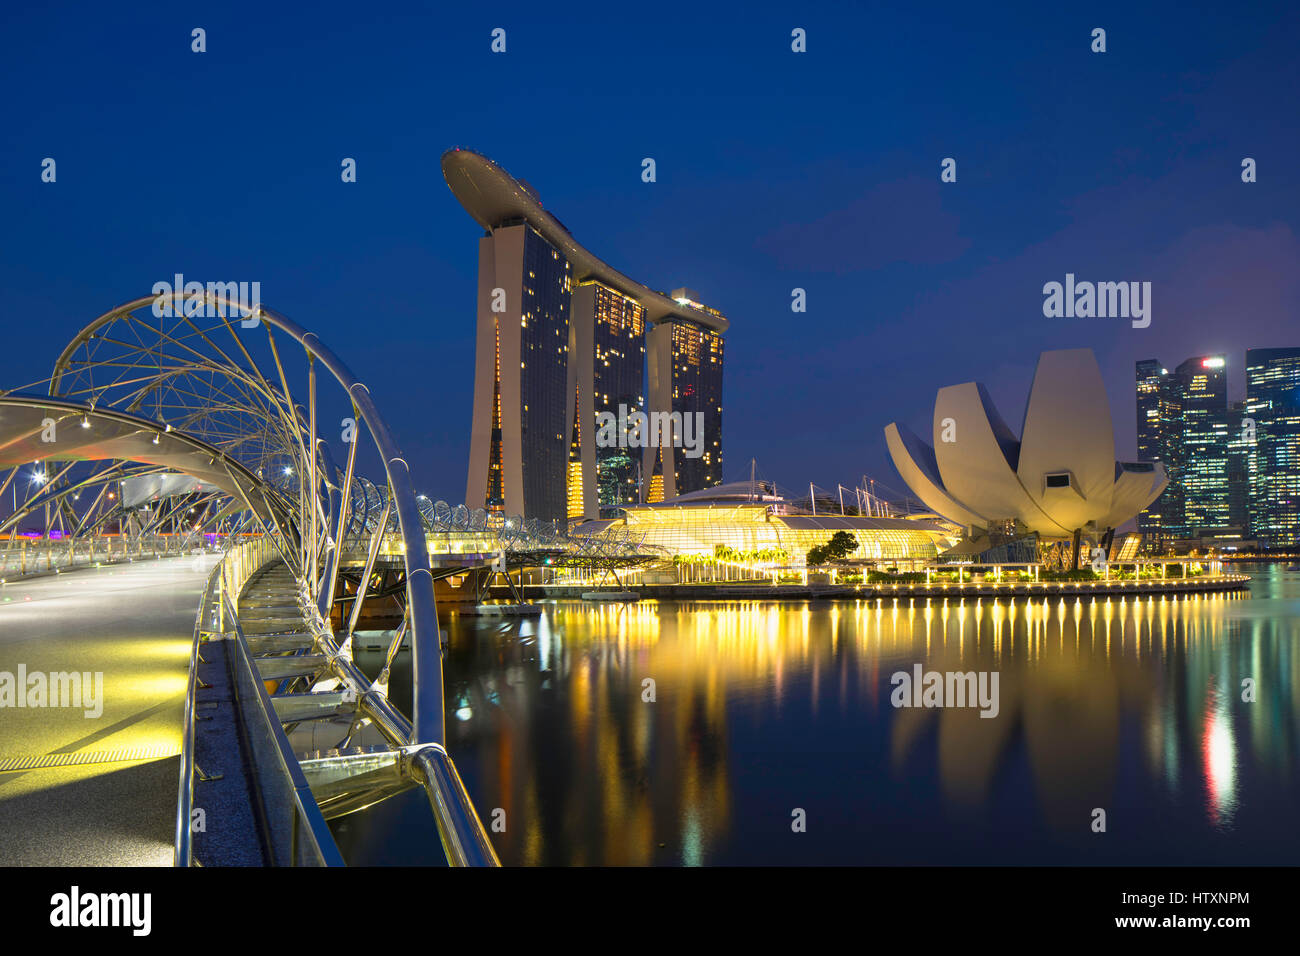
(1059, 479)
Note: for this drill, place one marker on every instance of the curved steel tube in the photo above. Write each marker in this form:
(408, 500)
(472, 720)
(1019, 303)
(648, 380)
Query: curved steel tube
(464, 838)
(426, 657)
(463, 835)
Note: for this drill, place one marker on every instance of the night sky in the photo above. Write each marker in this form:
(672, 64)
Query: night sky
(775, 170)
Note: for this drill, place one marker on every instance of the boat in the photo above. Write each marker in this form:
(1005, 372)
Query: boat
(512, 610)
(623, 596)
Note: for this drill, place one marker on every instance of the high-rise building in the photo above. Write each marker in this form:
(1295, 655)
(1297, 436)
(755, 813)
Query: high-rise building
(685, 361)
(563, 343)
(1240, 446)
(1202, 384)
(518, 451)
(1159, 439)
(607, 382)
(1272, 420)
(1183, 422)
(1234, 469)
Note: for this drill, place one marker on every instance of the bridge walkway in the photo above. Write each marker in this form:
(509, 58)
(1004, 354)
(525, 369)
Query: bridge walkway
(95, 784)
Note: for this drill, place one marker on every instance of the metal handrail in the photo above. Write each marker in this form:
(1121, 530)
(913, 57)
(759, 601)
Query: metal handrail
(184, 847)
(227, 577)
(22, 556)
(460, 829)
(308, 819)
(464, 838)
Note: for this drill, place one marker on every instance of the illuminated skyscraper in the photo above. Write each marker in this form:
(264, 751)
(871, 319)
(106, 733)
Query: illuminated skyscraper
(606, 375)
(1273, 465)
(518, 451)
(1159, 438)
(1202, 385)
(1184, 420)
(562, 344)
(685, 362)
(1240, 448)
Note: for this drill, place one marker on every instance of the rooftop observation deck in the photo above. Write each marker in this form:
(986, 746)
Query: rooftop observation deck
(493, 197)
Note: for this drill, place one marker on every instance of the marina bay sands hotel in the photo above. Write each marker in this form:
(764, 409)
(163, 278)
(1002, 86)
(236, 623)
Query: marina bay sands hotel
(562, 338)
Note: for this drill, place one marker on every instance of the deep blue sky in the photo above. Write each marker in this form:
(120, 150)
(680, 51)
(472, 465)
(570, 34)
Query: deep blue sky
(775, 170)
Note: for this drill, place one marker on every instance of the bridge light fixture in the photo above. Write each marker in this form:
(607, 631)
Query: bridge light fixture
(85, 421)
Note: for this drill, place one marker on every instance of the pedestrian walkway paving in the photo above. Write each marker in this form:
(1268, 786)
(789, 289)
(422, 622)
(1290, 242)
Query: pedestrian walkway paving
(89, 765)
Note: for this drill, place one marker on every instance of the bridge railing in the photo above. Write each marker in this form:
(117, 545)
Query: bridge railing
(241, 562)
(298, 835)
(206, 619)
(21, 555)
(296, 830)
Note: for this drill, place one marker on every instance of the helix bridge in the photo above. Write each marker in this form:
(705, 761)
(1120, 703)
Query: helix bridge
(187, 423)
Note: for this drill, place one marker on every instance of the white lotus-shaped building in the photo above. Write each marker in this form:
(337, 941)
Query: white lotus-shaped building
(1060, 476)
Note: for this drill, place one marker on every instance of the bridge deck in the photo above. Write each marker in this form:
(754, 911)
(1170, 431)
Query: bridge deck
(97, 790)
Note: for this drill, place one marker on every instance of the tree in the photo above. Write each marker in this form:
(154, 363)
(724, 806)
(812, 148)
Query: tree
(816, 555)
(841, 545)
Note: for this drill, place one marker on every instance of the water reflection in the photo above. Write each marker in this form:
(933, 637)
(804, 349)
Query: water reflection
(688, 733)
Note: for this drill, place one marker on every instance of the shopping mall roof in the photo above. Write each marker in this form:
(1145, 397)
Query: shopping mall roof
(855, 523)
(761, 498)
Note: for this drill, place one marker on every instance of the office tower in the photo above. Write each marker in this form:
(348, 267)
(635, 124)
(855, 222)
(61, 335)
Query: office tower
(563, 341)
(1159, 439)
(1183, 420)
(1202, 390)
(1273, 464)
(1240, 443)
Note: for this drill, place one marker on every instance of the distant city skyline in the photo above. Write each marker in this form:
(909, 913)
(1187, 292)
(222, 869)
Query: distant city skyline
(1234, 466)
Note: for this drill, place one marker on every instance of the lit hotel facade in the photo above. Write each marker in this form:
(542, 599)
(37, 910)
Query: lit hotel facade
(561, 337)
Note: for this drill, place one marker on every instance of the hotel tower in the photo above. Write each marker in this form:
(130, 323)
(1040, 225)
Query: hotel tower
(561, 338)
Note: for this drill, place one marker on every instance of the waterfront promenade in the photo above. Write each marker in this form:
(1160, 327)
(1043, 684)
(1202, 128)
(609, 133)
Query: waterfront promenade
(80, 789)
(758, 590)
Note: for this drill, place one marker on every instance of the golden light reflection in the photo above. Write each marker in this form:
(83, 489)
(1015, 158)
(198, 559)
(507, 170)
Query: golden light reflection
(597, 765)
